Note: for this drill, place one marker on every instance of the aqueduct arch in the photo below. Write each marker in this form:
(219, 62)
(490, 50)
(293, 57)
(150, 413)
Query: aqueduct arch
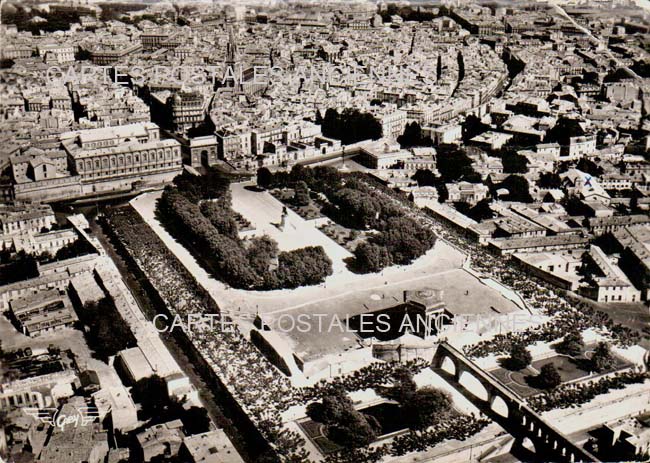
(506, 407)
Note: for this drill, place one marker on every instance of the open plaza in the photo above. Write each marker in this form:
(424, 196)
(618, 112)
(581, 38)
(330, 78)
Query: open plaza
(343, 294)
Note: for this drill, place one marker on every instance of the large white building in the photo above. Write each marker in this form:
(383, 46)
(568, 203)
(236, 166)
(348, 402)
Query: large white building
(122, 158)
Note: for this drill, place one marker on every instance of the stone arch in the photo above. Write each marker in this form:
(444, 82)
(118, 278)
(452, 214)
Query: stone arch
(499, 406)
(473, 385)
(528, 444)
(448, 366)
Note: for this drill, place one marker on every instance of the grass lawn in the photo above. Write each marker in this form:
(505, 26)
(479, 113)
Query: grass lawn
(569, 368)
(343, 236)
(309, 212)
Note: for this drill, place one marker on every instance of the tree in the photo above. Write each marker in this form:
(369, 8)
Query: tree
(371, 257)
(403, 388)
(221, 218)
(602, 358)
(426, 407)
(264, 177)
(514, 163)
(413, 136)
(519, 358)
(108, 333)
(301, 194)
(548, 377)
(472, 126)
(260, 252)
(152, 394)
(572, 344)
(461, 66)
(549, 180)
(454, 165)
(517, 187)
(564, 129)
(351, 126)
(573, 205)
(589, 167)
(481, 211)
(425, 177)
(195, 420)
(345, 425)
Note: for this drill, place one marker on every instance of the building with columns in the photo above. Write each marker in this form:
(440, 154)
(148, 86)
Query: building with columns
(122, 158)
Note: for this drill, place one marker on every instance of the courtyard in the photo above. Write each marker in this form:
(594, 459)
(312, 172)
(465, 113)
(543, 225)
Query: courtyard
(570, 369)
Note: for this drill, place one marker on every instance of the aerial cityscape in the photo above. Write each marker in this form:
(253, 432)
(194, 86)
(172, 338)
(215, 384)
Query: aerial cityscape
(285, 231)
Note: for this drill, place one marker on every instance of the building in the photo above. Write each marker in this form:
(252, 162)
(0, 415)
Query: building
(163, 439)
(37, 391)
(43, 312)
(392, 120)
(465, 192)
(117, 401)
(209, 447)
(234, 143)
(39, 243)
(87, 443)
(627, 440)
(201, 151)
(635, 257)
(25, 218)
(585, 186)
(55, 275)
(614, 286)
(56, 53)
(122, 158)
(107, 54)
(186, 110)
(558, 268)
(153, 39)
(444, 134)
(506, 246)
(40, 175)
(601, 225)
(581, 146)
(382, 154)
(492, 140)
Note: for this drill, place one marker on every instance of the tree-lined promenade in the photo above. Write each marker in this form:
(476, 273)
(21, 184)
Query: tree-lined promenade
(258, 387)
(198, 212)
(395, 238)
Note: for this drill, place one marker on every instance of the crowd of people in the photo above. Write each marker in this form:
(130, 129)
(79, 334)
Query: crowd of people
(566, 315)
(259, 388)
(576, 394)
(371, 376)
(460, 428)
(264, 393)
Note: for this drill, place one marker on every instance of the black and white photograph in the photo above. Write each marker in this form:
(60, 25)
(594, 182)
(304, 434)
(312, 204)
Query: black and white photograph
(324, 231)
